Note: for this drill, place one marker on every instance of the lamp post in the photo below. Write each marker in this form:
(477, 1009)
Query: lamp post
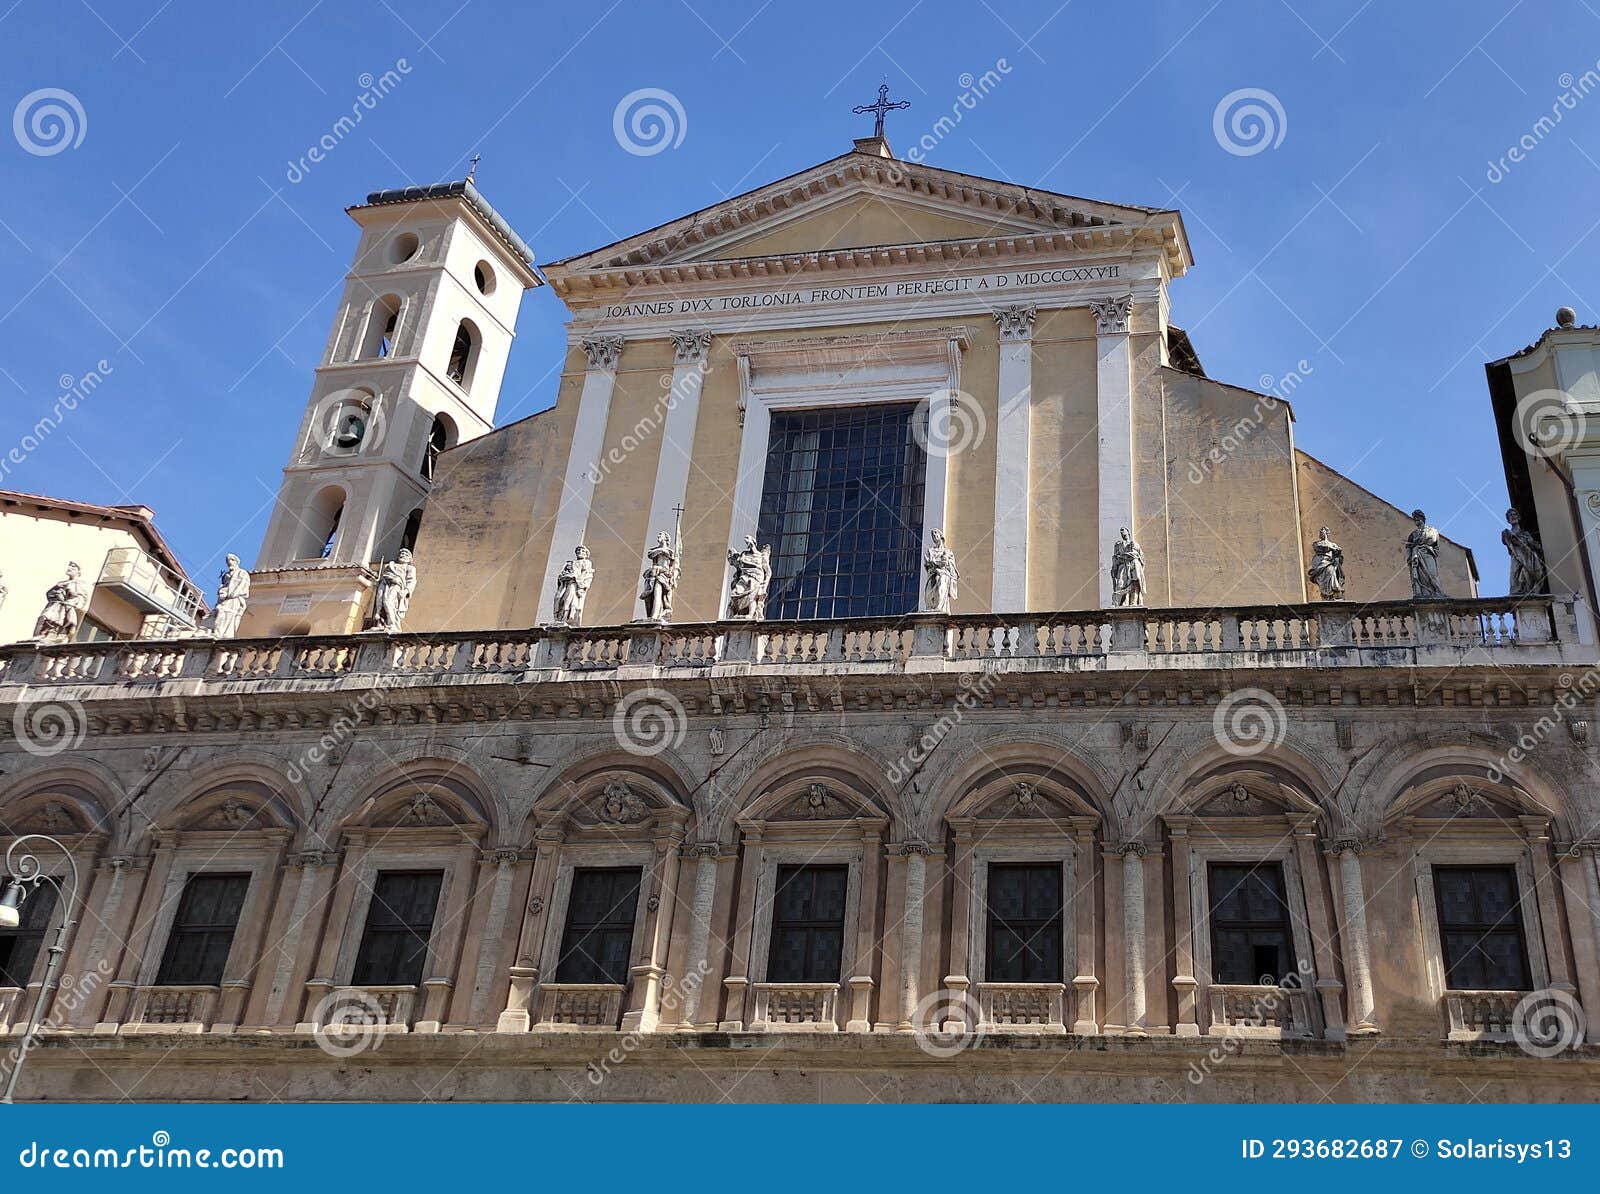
(25, 873)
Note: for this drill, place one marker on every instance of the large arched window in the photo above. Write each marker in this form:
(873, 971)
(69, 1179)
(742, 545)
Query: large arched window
(464, 355)
(383, 322)
(441, 435)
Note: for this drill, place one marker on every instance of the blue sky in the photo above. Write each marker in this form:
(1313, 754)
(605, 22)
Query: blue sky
(1369, 242)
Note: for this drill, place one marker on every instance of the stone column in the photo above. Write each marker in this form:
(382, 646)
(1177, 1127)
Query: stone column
(1541, 864)
(1133, 933)
(1577, 872)
(960, 979)
(682, 402)
(296, 930)
(108, 923)
(1183, 981)
(862, 982)
(504, 862)
(737, 983)
(1012, 440)
(138, 941)
(524, 969)
(322, 979)
(698, 965)
(916, 867)
(1084, 984)
(1114, 406)
(1329, 988)
(588, 439)
(645, 1011)
(1353, 926)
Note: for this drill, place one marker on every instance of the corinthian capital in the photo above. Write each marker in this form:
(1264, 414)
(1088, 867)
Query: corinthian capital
(603, 351)
(690, 346)
(1016, 323)
(1111, 315)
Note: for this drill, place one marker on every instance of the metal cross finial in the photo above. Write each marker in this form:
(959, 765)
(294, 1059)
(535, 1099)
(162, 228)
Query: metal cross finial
(884, 105)
(473, 169)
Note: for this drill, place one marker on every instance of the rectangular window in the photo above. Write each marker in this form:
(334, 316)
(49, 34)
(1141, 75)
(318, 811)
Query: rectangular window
(808, 924)
(202, 931)
(1480, 928)
(394, 947)
(842, 509)
(597, 945)
(19, 947)
(1252, 940)
(1024, 944)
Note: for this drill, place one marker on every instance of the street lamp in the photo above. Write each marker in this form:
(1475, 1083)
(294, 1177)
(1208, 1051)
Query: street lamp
(24, 876)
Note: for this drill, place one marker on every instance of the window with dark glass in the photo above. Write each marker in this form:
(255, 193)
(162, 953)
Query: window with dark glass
(1480, 928)
(807, 925)
(19, 947)
(1024, 944)
(438, 441)
(394, 947)
(202, 931)
(1252, 940)
(841, 507)
(598, 942)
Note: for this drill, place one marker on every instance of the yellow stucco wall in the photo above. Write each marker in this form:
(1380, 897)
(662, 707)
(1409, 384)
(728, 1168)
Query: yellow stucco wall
(35, 548)
(863, 220)
(1064, 463)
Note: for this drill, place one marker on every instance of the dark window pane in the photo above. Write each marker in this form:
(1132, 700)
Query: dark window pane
(842, 508)
(1480, 928)
(1024, 944)
(808, 924)
(1252, 940)
(394, 947)
(598, 942)
(202, 931)
(19, 947)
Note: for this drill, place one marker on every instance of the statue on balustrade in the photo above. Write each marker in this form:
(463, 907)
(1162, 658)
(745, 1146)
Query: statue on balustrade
(1127, 571)
(396, 582)
(65, 603)
(233, 594)
(1528, 572)
(572, 586)
(1422, 559)
(940, 588)
(1327, 566)
(660, 579)
(752, 576)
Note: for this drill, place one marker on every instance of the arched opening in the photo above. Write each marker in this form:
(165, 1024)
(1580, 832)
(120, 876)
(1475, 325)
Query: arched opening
(408, 537)
(441, 436)
(382, 323)
(483, 276)
(320, 527)
(464, 355)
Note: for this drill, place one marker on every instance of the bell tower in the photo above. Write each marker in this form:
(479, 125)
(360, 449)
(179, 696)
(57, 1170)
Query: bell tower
(412, 366)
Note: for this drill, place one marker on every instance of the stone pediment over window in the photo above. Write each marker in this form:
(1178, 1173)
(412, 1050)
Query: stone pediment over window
(860, 209)
(1465, 800)
(420, 809)
(1236, 800)
(231, 812)
(51, 815)
(1027, 801)
(818, 802)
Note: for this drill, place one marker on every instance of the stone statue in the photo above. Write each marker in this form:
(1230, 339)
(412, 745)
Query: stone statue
(939, 590)
(1127, 571)
(1327, 566)
(660, 579)
(1422, 558)
(64, 605)
(233, 594)
(752, 575)
(572, 586)
(1528, 574)
(396, 583)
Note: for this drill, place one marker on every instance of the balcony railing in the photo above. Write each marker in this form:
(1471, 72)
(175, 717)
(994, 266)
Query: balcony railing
(1491, 632)
(1239, 1009)
(172, 1009)
(796, 1007)
(1481, 1015)
(576, 1006)
(148, 584)
(1022, 1007)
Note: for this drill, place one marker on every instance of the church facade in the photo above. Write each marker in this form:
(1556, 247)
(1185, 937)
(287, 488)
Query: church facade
(892, 669)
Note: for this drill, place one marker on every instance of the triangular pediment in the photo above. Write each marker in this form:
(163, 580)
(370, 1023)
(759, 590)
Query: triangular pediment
(863, 202)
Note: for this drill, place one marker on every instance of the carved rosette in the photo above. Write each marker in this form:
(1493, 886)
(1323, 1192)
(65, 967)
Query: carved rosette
(691, 346)
(603, 351)
(1111, 315)
(1016, 323)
